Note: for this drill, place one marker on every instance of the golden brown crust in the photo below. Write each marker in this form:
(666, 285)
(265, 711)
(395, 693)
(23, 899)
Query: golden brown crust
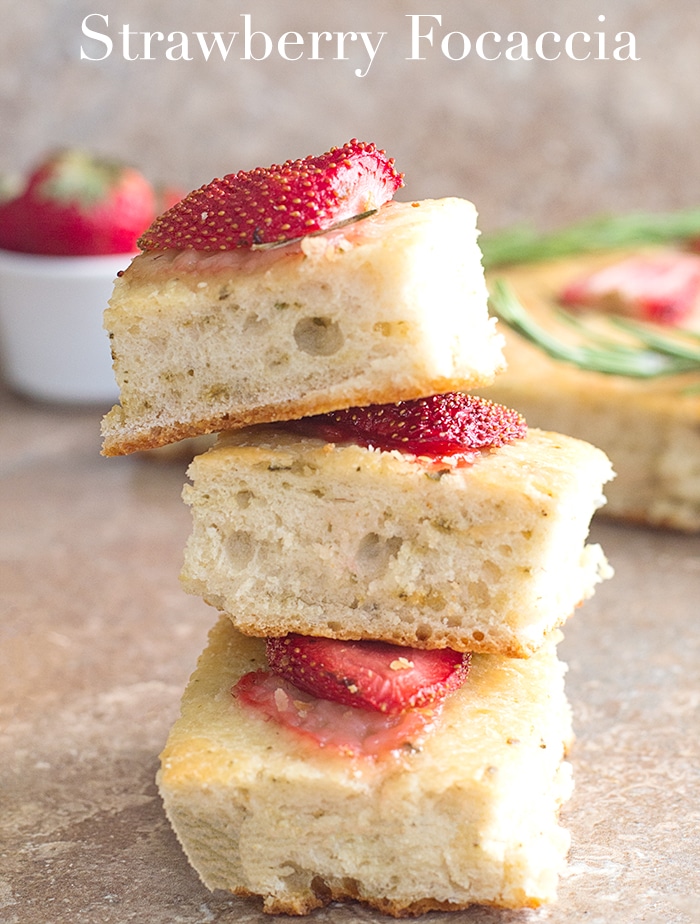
(122, 440)
(324, 895)
(256, 629)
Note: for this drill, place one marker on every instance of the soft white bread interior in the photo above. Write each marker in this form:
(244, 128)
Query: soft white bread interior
(469, 818)
(389, 308)
(292, 534)
(650, 428)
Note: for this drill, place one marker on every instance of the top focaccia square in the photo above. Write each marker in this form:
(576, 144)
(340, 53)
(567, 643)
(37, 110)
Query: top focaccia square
(389, 308)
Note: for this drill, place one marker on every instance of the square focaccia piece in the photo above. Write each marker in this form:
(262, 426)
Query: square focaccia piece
(293, 534)
(468, 817)
(649, 427)
(391, 307)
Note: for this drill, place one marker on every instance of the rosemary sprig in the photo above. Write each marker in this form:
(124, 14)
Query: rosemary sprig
(644, 354)
(273, 245)
(525, 245)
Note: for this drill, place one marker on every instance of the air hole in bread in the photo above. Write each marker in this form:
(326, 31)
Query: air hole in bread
(393, 329)
(318, 336)
(478, 593)
(423, 632)
(303, 468)
(243, 499)
(299, 880)
(321, 889)
(351, 887)
(491, 572)
(374, 554)
(477, 635)
(240, 548)
(255, 324)
(434, 600)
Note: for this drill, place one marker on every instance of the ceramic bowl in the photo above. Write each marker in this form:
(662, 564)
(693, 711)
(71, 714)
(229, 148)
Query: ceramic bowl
(52, 343)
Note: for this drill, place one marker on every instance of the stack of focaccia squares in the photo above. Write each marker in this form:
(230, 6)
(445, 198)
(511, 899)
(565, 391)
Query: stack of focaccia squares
(380, 713)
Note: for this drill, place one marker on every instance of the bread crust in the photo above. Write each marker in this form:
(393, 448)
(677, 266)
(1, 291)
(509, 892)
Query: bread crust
(122, 437)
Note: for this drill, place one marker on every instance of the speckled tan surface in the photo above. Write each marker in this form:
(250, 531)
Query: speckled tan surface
(97, 641)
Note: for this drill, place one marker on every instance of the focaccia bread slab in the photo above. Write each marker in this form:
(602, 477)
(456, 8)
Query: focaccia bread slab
(388, 308)
(293, 534)
(470, 817)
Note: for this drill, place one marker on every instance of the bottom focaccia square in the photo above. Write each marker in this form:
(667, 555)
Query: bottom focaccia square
(467, 816)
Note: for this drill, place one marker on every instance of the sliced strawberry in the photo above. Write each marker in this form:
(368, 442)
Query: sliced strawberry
(662, 287)
(367, 674)
(278, 203)
(438, 426)
(76, 204)
(326, 724)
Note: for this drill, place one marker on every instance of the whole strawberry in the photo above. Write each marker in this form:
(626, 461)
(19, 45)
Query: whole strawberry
(78, 204)
(279, 203)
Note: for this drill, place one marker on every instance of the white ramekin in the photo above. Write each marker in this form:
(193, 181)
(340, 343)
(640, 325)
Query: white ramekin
(52, 343)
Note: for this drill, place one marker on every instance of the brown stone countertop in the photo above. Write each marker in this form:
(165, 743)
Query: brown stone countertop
(97, 641)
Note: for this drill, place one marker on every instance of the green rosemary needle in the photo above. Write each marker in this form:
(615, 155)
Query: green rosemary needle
(525, 245)
(644, 353)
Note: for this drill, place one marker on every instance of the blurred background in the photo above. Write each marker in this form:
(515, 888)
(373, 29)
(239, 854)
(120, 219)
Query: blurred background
(535, 141)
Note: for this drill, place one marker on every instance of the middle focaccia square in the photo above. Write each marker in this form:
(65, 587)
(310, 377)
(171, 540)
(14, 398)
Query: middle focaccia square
(294, 534)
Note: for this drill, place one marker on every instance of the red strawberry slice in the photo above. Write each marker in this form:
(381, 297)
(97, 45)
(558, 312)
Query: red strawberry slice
(367, 674)
(663, 287)
(438, 426)
(77, 204)
(278, 203)
(325, 724)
